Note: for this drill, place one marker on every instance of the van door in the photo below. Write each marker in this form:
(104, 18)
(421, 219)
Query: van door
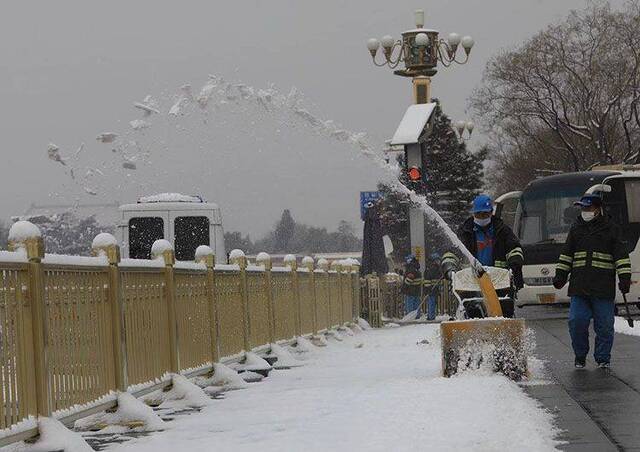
(141, 229)
(190, 229)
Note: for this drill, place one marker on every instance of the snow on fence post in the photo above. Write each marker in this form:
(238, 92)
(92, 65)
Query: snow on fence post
(205, 255)
(265, 260)
(291, 262)
(25, 237)
(105, 244)
(308, 262)
(238, 258)
(162, 249)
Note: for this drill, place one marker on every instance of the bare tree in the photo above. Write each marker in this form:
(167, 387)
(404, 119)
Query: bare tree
(568, 97)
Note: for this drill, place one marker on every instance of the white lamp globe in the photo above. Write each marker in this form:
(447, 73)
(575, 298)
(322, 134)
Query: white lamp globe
(454, 39)
(387, 41)
(467, 43)
(373, 44)
(422, 39)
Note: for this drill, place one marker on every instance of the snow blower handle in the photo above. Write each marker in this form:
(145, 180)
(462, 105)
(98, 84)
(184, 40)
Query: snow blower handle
(626, 307)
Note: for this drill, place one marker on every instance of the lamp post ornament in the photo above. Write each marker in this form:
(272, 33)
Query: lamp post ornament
(420, 49)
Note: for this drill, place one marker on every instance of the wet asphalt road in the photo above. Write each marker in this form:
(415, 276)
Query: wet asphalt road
(597, 410)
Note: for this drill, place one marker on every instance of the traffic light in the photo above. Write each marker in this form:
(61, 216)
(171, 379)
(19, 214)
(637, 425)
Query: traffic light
(414, 177)
(415, 174)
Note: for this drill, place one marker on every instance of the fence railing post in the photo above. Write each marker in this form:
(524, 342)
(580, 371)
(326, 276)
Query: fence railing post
(106, 244)
(237, 257)
(323, 264)
(26, 236)
(163, 249)
(355, 290)
(307, 261)
(204, 255)
(291, 262)
(265, 260)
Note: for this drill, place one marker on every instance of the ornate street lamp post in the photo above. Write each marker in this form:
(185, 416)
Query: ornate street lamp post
(420, 50)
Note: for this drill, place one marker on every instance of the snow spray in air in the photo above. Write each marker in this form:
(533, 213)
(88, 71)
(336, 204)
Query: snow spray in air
(128, 158)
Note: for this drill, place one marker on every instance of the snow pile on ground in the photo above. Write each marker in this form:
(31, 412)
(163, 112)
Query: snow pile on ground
(254, 363)
(223, 379)
(130, 412)
(621, 326)
(55, 436)
(362, 323)
(284, 357)
(182, 394)
(388, 395)
(303, 345)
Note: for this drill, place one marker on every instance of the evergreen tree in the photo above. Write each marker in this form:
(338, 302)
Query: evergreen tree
(452, 178)
(284, 232)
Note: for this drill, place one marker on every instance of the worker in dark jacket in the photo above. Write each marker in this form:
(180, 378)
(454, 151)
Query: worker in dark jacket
(412, 285)
(491, 242)
(593, 253)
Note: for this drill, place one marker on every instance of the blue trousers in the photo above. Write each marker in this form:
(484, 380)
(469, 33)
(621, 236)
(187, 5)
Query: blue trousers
(431, 307)
(581, 311)
(411, 303)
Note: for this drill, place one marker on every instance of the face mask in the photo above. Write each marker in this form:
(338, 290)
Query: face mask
(588, 216)
(482, 222)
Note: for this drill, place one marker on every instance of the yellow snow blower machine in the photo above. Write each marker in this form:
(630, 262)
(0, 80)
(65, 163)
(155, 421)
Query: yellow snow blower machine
(480, 336)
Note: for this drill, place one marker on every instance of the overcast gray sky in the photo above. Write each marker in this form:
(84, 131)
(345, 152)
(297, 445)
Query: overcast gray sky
(70, 70)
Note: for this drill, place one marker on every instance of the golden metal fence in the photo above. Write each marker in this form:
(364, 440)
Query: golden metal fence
(335, 299)
(17, 398)
(323, 305)
(306, 294)
(259, 309)
(195, 344)
(79, 340)
(145, 324)
(72, 331)
(284, 305)
(231, 312)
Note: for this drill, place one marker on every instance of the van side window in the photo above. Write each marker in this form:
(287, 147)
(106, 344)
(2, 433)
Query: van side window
(189, 234)
(143, 232)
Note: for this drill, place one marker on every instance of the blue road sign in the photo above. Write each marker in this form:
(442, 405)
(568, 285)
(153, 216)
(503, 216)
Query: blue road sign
(365, 198)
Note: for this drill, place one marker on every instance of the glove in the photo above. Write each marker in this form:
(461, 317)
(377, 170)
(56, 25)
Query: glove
(624, 285)
(518, 280)
(559, 283)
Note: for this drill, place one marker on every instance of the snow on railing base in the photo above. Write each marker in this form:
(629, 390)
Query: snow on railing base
(28, 428)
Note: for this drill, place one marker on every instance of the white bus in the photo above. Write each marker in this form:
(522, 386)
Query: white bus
(186, 221)
(544, 212)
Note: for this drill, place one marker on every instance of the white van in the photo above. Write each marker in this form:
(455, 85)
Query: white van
(186, 221)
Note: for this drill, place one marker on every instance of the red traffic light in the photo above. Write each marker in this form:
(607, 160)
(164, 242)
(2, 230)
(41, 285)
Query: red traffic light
(414, 173)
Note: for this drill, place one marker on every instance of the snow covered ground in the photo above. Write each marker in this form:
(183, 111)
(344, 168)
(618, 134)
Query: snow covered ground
(379, 390)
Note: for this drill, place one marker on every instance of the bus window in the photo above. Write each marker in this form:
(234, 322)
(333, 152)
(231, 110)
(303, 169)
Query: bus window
(143, 231)
(632, 188)
(546, 215)
(190, 233)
